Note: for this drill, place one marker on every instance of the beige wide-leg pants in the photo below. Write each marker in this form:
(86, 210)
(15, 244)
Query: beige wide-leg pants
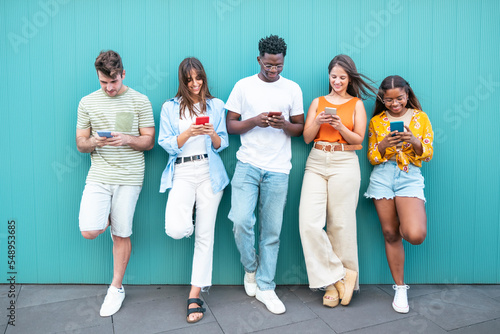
(330, 192)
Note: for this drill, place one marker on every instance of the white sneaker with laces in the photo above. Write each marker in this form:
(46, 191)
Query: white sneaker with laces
(113, 301)
(400, 303)
(250, 284)
(271, 300)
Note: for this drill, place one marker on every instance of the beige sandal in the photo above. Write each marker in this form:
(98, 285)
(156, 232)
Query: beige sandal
(331, 297)
(345, 286)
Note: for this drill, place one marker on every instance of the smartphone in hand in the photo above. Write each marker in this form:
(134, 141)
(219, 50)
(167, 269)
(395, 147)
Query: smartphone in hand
(202, 120)
(274, 113)
(330, 111)
(399, 126)
(106, 134)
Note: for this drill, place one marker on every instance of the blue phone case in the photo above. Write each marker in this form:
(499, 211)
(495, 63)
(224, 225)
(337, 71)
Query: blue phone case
(399, 125)
(106, 134)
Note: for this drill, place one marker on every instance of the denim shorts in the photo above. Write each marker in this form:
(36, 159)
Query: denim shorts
(388, 181)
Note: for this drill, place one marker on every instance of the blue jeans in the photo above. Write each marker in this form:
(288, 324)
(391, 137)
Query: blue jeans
(247, 182)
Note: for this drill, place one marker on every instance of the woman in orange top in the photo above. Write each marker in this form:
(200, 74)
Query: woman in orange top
(331, 183)
(396, 184)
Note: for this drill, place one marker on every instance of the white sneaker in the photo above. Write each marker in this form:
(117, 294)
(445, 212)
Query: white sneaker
(400, 303)
(113, 301)
(250, 284)
(271, 300)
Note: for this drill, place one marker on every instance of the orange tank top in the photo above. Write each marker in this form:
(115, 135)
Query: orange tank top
(345, 111)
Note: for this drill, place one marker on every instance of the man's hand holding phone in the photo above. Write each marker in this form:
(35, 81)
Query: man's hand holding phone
(275, 119)
(102, 138)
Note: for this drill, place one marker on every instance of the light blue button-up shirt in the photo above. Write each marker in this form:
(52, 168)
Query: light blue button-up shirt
(169, 130)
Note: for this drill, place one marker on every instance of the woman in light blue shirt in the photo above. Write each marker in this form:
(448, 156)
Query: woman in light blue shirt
(195, 173)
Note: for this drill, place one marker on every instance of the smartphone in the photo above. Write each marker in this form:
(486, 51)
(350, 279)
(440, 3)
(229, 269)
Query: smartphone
(106, 134)
(399, 126)
(330, 111)
(274, 113)
(202, 120)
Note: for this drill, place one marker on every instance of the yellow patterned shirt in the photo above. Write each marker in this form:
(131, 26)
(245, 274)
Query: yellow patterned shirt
(421, 128)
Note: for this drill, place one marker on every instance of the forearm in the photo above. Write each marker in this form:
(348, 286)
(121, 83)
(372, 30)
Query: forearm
(216, 141)
(381, 149)
(182, 138)
(310, 132)
(351, 137)
(141, 143)
(236, 127)
(417, 147)
(86, 145)
(293, 129)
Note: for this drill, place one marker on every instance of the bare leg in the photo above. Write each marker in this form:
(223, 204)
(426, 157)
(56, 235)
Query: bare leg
(412, 218)
(121, 255)
(394, 251)
(194, 293)
(402, 217)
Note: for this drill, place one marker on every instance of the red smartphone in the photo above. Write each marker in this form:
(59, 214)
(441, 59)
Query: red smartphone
(273, 113)
(202, 120)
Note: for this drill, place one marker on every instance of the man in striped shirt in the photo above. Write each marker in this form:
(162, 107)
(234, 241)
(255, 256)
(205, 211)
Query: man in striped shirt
(115, 125)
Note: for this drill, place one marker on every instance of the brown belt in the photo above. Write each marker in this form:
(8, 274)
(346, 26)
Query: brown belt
(339, 147)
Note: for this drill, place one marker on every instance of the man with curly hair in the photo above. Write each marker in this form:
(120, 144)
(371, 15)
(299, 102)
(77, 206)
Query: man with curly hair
(265, 110)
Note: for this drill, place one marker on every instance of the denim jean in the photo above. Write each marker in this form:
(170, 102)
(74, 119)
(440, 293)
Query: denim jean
(248, 182)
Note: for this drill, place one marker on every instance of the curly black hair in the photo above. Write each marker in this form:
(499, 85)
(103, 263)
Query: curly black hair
(272, 45)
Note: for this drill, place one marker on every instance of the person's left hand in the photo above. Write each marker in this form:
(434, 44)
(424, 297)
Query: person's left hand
(208, 129)
(277, 122)
(407, 136)
(118, 139)
(336, 123)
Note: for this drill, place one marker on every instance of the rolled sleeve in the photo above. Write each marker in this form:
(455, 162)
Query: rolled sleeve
(168, 131)
(426, 140)
(374, 155)
(220, 127)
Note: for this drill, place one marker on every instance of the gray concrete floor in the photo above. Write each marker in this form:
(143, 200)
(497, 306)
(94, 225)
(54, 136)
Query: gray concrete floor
(162, 309)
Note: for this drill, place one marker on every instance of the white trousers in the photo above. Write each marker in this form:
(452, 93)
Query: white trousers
(192, 185)
(330, 192)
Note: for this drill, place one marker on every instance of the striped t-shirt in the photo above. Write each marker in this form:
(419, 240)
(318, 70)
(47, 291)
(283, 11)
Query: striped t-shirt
(125, 113)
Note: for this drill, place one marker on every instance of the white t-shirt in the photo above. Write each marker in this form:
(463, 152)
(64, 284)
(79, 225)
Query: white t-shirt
(266, 148)
(194, 145)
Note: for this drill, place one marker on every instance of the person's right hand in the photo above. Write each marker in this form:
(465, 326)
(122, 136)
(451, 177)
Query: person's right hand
(195, 130)
(100, 141)
(392, 139)
(261, 120)
(322, 118)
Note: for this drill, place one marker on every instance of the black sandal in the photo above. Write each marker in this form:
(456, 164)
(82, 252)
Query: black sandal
(195, 310)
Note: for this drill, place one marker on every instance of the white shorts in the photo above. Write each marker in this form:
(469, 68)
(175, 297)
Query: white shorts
(99, 201)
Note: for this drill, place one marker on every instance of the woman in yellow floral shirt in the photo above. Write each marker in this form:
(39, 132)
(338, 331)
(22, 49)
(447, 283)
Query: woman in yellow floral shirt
(396, 183)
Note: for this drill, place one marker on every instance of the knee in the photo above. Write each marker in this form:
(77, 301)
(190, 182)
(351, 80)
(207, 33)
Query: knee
(91, 234)
(239, 227)
(415, 237)
(391, 236)
(178, 233)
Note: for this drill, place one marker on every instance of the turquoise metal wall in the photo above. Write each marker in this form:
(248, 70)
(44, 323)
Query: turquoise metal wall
(448, 50)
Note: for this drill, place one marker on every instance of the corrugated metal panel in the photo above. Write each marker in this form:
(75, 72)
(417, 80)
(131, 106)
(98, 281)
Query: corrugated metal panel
(447, 50)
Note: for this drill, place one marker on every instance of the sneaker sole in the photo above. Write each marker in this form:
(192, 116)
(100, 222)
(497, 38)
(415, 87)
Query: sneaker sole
(262, 301)
(250, 291)
(400, 310)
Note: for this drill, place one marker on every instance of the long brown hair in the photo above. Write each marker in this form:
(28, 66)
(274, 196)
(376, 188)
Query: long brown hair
(187, 101)
(357, 87)
(391, 82)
